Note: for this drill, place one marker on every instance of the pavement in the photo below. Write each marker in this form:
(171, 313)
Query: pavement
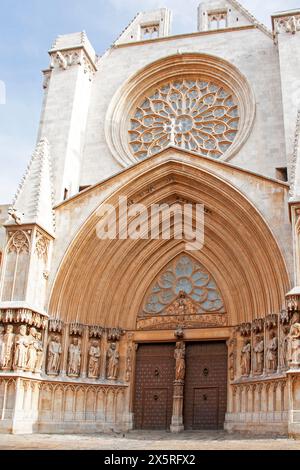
(146, 440)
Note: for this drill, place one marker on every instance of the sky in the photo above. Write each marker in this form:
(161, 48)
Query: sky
(28, 28)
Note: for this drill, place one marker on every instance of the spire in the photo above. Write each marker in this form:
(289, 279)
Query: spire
(33, 202)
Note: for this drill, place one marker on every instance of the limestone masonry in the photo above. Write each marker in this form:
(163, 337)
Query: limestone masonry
(113, 335)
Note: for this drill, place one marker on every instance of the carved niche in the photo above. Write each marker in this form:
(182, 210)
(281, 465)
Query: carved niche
(184, 294)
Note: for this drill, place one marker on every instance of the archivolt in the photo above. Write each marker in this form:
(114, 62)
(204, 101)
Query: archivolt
(104, 282)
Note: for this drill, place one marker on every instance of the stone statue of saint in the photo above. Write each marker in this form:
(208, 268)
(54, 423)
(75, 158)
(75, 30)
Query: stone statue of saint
(246, 358)
(294, 345)
(93, 365)
(2, 329)
(39, 353)
(284, 348)
(179, 356)
(53, 357)
(271, 355)
(113, 358)
(7, 348)
(21, 347)
(74, 359)
(31, 351)
(259, 355)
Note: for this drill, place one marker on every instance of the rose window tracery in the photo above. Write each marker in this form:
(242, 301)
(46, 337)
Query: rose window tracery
(187, 276)
(196, 115)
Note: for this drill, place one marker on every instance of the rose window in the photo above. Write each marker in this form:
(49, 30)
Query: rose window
(195, 115)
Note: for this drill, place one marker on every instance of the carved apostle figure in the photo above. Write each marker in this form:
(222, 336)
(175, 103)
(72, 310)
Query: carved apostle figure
(284, 348)
(259, 355)
(93, 365)
(74, 358)
(246, 358)
(39, 353)
(31, 351)
(7, 348)
(2, 329)
(294, 345)
(272, 349)
(179, 356)
(113, 358)
(53, 357)
(21, 347)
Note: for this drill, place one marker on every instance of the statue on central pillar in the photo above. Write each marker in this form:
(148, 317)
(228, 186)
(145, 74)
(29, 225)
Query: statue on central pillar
(179, 356)
(177, 415)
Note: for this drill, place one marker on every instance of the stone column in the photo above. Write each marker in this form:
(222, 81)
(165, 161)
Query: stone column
(177, 416)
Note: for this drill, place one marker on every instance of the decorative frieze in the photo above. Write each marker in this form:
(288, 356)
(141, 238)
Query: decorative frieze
(287, 24)
(71, 57)
(23, 315)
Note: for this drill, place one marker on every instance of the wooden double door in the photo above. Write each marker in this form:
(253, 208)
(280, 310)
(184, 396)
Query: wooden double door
(205, 389)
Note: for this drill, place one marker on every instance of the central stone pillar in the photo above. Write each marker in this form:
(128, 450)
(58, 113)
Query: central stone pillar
(177, 416)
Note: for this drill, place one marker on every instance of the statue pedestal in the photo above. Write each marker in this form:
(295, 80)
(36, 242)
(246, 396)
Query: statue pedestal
(177, 417)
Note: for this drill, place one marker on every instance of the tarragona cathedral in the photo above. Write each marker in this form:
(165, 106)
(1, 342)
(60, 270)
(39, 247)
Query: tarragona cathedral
(101, 335)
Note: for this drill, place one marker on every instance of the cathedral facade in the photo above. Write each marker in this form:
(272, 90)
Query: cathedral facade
(118, 333)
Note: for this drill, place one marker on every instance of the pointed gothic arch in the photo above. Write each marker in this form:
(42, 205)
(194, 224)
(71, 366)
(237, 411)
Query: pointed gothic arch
(104, 282)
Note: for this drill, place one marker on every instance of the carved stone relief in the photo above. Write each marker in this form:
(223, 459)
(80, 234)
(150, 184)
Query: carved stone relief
(258, 350)
(272, 352)
(54, 355)
(94, 359)
(294, 345)
(246, 358)
(179, 356)
(19, 242)
(7, 348)
(74, 357)
(112, 365)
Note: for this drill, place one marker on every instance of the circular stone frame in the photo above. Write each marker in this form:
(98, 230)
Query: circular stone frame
(179, 66)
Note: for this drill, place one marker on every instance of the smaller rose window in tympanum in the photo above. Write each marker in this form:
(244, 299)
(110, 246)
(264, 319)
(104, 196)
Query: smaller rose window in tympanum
(195, 115)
